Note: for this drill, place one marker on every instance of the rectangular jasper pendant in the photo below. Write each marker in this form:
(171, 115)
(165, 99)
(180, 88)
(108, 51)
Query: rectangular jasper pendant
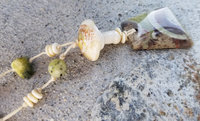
(158, 29)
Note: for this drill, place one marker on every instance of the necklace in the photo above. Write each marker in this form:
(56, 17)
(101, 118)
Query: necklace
(156, 30)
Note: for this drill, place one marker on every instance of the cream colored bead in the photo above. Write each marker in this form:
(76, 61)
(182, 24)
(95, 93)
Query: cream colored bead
(53, 50)
(28, 102)
(32, 98)
(37, 94)
(56, 48)
(122, 34)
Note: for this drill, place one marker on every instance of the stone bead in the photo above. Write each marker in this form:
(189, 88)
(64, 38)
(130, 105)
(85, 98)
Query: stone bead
(90, 40)
(22, 67)
(57, 68)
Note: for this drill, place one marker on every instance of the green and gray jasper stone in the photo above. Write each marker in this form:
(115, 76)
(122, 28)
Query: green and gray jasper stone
(57, 68)
(157, 30)
(22, 67)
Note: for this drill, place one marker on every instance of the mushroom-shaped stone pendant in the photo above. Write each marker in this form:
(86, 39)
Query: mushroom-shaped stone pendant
(91, 41)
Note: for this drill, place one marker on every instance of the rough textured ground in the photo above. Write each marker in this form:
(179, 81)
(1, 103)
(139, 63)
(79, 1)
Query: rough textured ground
(160, 85)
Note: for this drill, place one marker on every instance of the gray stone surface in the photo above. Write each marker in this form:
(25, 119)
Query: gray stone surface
(162, 84)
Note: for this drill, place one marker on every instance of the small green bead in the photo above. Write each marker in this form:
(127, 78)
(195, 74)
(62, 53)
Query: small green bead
(57, 68)
(22, 67)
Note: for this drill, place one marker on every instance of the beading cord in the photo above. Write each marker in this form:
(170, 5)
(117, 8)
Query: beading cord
(50, 50)
(124, 35)
(6, 72)
(73, 45)
(29, 100)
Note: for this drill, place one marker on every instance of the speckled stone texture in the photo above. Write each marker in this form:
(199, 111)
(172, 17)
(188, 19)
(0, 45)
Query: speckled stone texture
(121, 85)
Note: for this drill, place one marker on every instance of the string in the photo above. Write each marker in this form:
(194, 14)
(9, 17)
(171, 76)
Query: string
(63, 55)
(43, 53)
(46, 84)
(14, 112)
(6, 72)
(66, 44)
(33, 58)
(124, 35)
(131, 31)
(24, 105)
(30, 60)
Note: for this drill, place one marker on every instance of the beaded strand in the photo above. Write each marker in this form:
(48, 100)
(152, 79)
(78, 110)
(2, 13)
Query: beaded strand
(90, 41)
(35, 95)
(50, 50)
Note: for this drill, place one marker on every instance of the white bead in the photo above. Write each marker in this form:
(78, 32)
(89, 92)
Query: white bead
(32, 98)
(56, 49)
(122, 34)
(37, 94)
(123, 37)
(119, 31)
(47, 51)
(53, 50)
(28, 102)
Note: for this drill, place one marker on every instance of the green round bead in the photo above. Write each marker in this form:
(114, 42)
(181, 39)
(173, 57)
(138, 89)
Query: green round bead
(22, 67)
(57, 68)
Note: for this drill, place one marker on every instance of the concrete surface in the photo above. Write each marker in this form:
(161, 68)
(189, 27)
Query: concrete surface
(162, 84)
